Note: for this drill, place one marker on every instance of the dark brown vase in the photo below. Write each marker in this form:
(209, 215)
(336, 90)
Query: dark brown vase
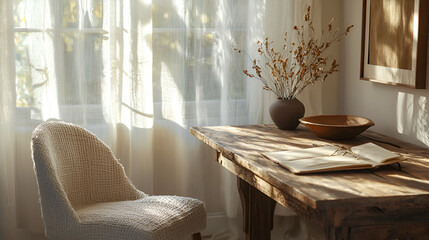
(286, 113)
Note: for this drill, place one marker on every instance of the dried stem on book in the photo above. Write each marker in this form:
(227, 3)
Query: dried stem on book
(340, 150)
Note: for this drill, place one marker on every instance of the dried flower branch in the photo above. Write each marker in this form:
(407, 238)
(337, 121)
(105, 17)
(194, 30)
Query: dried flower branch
(298, 64)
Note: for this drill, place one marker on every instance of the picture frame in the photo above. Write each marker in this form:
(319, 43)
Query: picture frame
(395, 42)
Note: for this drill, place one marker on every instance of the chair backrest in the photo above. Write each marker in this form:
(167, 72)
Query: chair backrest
(73, 169)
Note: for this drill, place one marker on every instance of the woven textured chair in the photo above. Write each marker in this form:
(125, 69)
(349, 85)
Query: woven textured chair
(85, 194)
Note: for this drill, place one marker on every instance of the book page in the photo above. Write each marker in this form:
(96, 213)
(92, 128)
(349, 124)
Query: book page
(326, 163)
(290, 155)
(374, 152)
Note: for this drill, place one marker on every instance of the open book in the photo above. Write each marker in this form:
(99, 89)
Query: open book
(332, 158)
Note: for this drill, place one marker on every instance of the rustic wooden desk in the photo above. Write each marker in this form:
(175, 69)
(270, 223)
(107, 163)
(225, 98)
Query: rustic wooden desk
(386, 203)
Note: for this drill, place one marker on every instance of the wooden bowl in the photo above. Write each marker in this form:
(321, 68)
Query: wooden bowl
(336, 127)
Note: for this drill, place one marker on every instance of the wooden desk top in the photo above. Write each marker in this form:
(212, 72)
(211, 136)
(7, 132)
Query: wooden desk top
(386, 187)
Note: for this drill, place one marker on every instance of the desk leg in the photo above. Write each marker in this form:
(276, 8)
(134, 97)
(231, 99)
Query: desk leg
(258, 211)
(341, 233)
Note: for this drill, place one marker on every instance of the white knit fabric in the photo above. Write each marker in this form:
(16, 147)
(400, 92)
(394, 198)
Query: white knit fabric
(85, 194)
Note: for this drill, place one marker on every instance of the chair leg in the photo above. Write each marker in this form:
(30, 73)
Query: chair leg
(196, 236)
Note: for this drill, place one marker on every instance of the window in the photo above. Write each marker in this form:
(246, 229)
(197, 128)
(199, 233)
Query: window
(62, 41)
(190, 38)
(64, 38)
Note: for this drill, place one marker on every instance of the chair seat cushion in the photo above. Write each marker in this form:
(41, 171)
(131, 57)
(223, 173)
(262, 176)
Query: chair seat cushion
(151, 217)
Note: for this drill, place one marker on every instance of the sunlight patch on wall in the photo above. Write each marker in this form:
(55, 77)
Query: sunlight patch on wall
(422, 121)
(412, 116)
(404, 113)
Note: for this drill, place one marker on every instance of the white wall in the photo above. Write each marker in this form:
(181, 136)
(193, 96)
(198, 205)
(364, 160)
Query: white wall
(322, 97)
(397, 111)
(330, 87)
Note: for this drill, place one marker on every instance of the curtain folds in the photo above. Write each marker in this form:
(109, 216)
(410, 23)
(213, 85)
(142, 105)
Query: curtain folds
(138, 74)
(7, 115)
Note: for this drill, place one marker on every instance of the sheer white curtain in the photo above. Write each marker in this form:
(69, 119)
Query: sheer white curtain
(138, 74)
(7, 115)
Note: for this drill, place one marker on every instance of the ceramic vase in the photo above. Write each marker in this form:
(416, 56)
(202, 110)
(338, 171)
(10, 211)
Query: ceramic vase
(286, 113)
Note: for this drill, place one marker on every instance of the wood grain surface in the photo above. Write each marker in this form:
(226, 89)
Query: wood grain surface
(346, 202)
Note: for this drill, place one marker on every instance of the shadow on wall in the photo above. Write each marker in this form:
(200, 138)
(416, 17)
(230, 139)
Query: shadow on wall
(412, 116)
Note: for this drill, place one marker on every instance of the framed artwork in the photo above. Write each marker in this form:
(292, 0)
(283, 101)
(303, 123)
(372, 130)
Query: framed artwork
(395, 42)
